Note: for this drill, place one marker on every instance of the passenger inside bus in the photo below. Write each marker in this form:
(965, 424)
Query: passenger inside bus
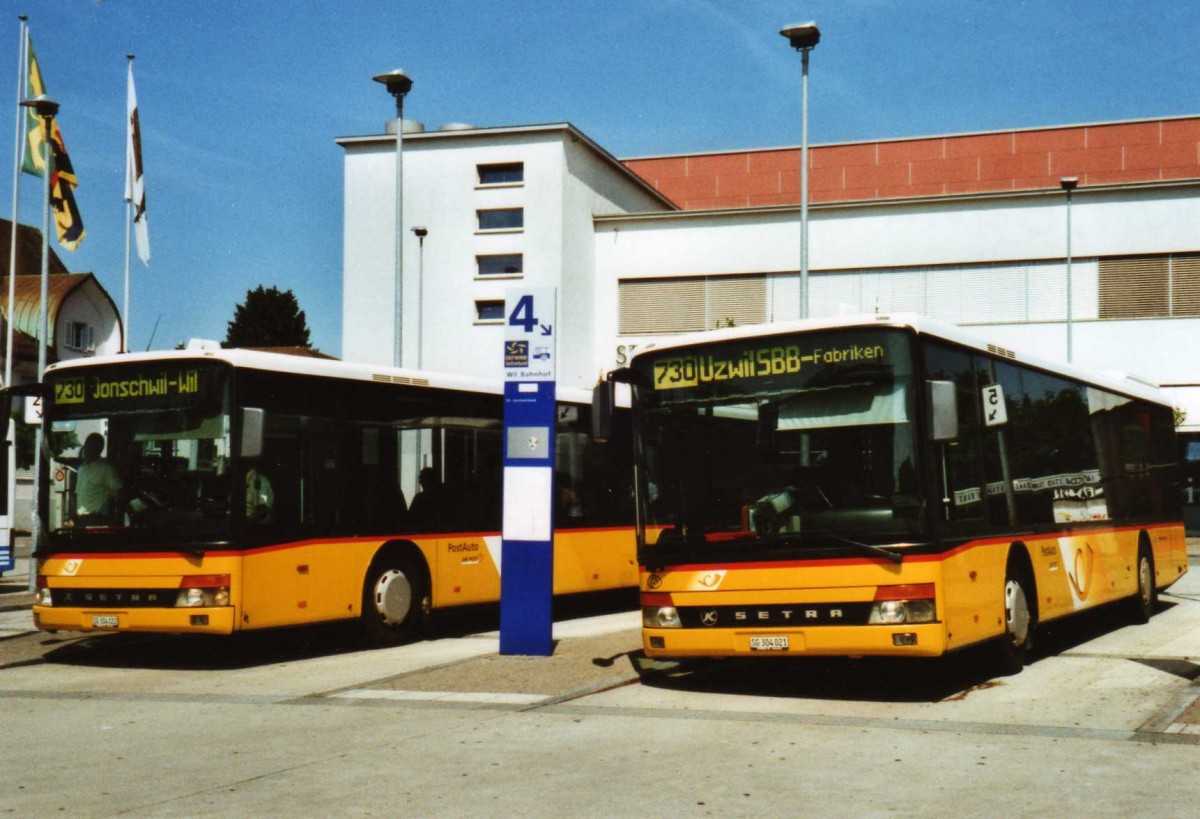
(97, 485)
(427, 505)
(260, 497)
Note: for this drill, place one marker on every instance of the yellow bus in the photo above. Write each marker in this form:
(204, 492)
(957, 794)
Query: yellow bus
(216, 491)
(888, 485)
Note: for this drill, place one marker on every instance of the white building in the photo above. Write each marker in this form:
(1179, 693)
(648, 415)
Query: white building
(502, 206)
(968, 228)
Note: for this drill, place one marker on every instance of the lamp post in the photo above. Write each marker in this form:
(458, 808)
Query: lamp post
(45, 108)
(803, 37)
(398, 85)
(420, 233)
(1068, 184)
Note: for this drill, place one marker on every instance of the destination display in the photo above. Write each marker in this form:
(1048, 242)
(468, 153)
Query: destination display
(754, 363)
(132, 388)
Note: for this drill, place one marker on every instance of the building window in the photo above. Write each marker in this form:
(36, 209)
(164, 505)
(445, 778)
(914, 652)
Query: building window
(489, 312)
(650, 306)
(1149, 286)
(508, 173)
(79, 336)
(501, 219)
(506, 264)
(989, 293)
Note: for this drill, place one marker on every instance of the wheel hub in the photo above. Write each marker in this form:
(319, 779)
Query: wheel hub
(393, 597)
(1016, 612)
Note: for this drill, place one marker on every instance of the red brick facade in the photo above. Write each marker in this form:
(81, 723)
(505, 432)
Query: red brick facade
(972, 163)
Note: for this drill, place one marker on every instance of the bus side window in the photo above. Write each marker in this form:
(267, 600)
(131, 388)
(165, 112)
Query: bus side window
(372, 499)
(1053, 456)
(957, 464)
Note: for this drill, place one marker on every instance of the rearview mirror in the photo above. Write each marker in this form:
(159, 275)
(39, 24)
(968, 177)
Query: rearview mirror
(252, 432)
(604, 401)
(943, 410)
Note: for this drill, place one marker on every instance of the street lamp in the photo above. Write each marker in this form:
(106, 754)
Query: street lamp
(803, 37)
(420, 233)
(398, 85)
(1068, 184)
(45, 108)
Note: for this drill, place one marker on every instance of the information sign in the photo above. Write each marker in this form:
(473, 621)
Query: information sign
(527, 553)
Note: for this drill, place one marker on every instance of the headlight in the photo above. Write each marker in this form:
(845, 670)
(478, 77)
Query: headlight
(203, 590)
(42, 597)
(909, 603)
(660, 617)
(190, 597)
(658, 611)
(902, 611)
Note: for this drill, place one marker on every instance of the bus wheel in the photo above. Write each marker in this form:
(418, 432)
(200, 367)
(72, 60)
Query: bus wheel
(395, 601)
(1019, 621)
(1143, 603)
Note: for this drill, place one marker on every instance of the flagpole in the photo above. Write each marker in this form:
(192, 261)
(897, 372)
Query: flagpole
(128, 220)
(18, 154)
(45, 108)
(18, 151)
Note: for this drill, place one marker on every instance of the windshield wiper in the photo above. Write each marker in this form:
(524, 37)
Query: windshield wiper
(894, 557)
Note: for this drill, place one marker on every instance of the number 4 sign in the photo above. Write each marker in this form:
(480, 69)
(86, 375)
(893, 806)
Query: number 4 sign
(529, 339)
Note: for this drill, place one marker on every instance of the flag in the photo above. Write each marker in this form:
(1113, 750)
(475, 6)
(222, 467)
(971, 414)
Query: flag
(67, 221)
(135, 185)
(34, 138)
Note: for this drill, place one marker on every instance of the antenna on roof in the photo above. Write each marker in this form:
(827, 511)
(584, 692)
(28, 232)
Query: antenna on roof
(152, 332)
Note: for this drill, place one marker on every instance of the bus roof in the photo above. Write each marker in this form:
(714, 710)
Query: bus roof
(304, 365)
(1128, 384)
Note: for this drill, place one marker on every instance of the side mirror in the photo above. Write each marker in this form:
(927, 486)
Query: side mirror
(768, 424)
(6, 398)
(7, 461)
(604, 402)
(943, 410)
(252, 432)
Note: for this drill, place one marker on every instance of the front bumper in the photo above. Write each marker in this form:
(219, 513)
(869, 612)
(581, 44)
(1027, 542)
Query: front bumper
(195, 620)
(919, 640)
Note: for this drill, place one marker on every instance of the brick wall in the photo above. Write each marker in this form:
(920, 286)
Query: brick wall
(1110, 153)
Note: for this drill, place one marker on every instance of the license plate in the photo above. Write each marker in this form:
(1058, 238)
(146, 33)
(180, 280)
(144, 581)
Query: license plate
(769, 643)
(105, 621)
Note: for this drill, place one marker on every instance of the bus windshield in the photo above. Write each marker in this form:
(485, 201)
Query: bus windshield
(755, 446)
(139, 455)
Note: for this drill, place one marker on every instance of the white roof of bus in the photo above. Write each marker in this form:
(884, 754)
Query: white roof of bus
(1120, 382)
(328, 368)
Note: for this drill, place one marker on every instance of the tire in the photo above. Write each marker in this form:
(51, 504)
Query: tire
(1145, 599)
(395, 600)
(1020, 620)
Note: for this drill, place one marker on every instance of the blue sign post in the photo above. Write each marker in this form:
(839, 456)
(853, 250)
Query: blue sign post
(527, 552)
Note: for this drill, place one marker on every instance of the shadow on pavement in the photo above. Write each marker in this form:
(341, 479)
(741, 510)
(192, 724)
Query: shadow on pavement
(869, 679)
(205, 652)
(875, 679)
(259, 648)
(13, 585)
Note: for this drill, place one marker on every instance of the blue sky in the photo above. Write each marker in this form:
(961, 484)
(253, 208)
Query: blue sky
(241, 103)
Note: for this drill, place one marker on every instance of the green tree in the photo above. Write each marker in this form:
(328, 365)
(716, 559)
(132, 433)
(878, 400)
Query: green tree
(60, 442)
(270, 317)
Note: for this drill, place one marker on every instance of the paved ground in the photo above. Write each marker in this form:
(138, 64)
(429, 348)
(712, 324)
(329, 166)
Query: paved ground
(1105, 722)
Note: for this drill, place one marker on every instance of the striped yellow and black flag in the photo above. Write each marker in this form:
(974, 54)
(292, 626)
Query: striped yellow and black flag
(67, 221)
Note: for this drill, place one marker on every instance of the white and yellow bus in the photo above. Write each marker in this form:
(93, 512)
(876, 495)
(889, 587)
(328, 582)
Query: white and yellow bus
(221, 491)
(889, 486)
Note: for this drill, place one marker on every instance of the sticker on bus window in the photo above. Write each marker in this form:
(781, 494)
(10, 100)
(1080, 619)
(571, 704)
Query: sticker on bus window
(995, 412)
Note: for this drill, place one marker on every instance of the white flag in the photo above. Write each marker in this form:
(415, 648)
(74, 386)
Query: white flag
(135, 187)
